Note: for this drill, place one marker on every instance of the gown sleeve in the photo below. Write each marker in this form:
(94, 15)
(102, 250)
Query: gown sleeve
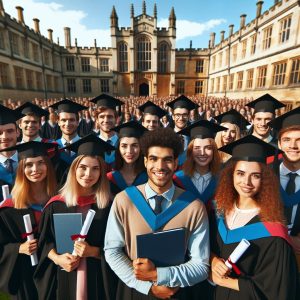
(275, 274)
(45, 273)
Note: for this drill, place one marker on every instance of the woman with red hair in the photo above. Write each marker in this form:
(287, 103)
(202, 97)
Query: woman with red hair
(248, 206)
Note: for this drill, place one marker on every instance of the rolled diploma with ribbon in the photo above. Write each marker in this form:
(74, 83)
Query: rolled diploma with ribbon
(86, 226)
(237, 253)
(30, 237)
(5, 192)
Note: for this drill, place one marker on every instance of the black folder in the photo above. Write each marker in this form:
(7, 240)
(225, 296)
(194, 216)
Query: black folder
(163, 248)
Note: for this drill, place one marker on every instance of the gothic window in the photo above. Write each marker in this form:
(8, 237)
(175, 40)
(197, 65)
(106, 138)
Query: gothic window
(163, 58)
(123, 57)
(143, 54)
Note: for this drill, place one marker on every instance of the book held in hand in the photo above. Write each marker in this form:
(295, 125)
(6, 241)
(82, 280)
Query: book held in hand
(163, 248)
(66, 225)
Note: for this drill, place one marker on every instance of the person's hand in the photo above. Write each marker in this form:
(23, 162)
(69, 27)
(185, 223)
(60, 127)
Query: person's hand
(218, 267)
(163, 292)
(83, 249)
(67, 261)
(28, 247)
(144, 269)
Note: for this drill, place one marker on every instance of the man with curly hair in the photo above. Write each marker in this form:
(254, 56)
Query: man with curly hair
(129, 217)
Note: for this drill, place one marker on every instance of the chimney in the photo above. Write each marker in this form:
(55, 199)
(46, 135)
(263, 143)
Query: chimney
(36, 23)
(20, 14)
(243, 21)
(212, 39)
(67, 36)
(50, 35)
(231, 29)
(259, 5)
(222, 35)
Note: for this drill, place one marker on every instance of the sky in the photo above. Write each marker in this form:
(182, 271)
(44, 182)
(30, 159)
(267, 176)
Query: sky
(90, 19)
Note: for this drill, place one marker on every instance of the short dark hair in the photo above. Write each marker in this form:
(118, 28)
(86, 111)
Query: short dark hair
(162, 137)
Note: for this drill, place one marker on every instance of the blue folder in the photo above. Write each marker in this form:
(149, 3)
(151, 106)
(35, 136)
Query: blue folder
(163, 248)
(66, 225)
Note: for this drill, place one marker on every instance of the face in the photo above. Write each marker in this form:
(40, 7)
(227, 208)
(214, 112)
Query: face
(161, 165)
(229, 135)
(129, 149)
(247, 179)
(88, 172)
(8, 135)
(202, 152)
(67, 123)
(180, 117)
(35, 169)
(150, 122)
(290, 144)
(30, 126)
(260, 120)
(107, 120)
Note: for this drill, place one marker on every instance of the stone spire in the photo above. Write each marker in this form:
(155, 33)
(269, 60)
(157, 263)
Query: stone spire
(172, 18)
(131, 11)
(113, 18)
(155, 11)
(144, 7)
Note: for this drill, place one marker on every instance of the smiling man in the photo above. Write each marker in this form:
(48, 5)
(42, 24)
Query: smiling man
(8, 138)
(264, 112)
(129, 217)
(289, 171)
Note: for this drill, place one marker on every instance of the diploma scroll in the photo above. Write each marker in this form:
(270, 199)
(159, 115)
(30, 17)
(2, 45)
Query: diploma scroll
(85, 227)
(235, 256)
(5, 192)
(237, 253)
(30, 237)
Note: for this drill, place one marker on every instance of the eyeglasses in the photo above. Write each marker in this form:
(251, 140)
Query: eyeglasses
(183, 116)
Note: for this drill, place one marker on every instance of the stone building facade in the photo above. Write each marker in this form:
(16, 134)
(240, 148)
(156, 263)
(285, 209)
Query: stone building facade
(261, 56)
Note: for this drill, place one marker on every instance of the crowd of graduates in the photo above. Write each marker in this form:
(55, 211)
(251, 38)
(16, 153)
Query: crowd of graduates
(224, 170)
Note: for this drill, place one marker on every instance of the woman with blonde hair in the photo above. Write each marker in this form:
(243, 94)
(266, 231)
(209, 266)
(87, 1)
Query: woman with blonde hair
(248, 206)
(234, 123)
(199, 173)
(35, 184)
(84, 275)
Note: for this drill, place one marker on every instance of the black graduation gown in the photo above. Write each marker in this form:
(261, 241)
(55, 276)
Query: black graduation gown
(85, 128)
(16, 276)
(49, 132)
(54, 283)
(269, 269)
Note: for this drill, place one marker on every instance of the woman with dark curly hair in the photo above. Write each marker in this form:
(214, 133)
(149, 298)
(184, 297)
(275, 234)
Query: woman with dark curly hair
(248, 207)
(129, 164)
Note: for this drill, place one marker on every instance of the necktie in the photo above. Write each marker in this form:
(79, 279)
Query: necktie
(109, 142)
(9, 165)
(291, 186)
(158, 201)
(67, 150)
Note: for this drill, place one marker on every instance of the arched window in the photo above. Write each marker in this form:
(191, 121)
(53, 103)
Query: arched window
(163, 58)
(123, 57)
(143, 54)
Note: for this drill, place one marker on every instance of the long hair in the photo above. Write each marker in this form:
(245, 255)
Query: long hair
(119, 161)
(219, 141)
(70, 190)
(22, 188)
(268, 197)
(189, 165)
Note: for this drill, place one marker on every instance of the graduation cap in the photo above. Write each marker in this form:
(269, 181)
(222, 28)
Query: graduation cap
(183, 102)
(30, 108)
(150, 108)
(288, 119)
(250, 148)
(130, 129)
(107, 101)
(32, 149)
(68, 106)
(265, 103)
(202, 129)
(8, 115)
(233, 117)
(90, 145)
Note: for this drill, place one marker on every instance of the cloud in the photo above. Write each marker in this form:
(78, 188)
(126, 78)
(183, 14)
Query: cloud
(55, 16)
(186, 29)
